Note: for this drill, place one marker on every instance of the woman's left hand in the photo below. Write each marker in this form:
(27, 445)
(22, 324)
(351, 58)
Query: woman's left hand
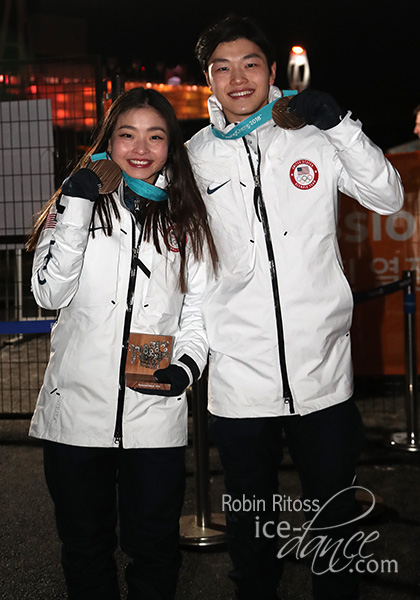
(175, 375)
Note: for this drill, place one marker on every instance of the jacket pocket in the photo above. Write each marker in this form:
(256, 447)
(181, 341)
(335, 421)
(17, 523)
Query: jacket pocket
(233, 238)
(163, 295)
(98, 282)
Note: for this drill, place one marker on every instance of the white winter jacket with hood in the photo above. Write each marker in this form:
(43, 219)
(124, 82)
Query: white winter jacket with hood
(279, 316)
(87, 278)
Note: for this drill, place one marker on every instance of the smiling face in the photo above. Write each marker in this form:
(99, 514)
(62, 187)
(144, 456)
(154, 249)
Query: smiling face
(240, 78)
(139, 143)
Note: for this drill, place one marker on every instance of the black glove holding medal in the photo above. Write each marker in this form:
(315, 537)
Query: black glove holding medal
(317, 108)
(83, 183)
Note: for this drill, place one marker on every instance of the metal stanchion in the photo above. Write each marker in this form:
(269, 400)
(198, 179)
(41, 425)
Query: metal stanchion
(409, 440)
(203, 528)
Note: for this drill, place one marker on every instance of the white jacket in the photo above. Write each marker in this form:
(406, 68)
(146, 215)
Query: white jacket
(87, 279)
(307, 329)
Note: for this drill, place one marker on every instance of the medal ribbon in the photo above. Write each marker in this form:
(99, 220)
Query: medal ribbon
(141, 188)
(251, 122)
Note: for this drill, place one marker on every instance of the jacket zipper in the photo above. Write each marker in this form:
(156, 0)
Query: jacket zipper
(126, 333)
(261, 212)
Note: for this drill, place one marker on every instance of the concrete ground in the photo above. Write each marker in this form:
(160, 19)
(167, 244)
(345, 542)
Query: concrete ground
(30, 552)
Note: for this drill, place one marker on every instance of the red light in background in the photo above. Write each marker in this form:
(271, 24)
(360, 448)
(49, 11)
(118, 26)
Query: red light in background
(74, 105)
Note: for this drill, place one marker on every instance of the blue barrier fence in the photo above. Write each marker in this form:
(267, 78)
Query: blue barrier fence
(26, 327)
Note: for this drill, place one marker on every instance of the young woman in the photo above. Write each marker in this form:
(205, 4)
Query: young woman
(132, 261)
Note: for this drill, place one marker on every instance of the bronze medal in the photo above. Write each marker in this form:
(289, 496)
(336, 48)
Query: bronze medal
(284, 118)
(108, 172)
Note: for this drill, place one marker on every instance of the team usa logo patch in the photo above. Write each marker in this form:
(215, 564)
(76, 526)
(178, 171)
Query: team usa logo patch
(171, 240)
(304, 174)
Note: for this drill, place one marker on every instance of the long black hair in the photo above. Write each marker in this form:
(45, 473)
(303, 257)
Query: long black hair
(184, 215)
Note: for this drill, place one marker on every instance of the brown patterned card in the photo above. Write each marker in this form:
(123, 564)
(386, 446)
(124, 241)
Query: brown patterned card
(147, 352)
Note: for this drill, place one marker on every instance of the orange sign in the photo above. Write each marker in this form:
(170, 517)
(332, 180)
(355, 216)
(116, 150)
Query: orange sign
(376, 250)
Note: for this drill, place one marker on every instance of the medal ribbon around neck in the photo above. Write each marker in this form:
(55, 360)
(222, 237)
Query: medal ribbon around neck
(141, 188)
(251, 122)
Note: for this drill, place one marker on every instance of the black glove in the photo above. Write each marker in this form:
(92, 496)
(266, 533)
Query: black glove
(175, 375)
(83, 183)
(317, 108)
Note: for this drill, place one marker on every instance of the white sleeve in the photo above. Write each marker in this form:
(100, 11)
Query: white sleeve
(58, 258)
(191, 342)
(365, 173)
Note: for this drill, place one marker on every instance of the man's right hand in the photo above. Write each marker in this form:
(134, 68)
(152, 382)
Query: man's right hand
(317, 108)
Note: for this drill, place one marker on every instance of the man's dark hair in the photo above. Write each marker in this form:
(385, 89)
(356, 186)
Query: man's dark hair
(416, 110)
(229, 29)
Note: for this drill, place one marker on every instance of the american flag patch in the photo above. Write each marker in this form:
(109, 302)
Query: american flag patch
(51, 221)
(303, 170)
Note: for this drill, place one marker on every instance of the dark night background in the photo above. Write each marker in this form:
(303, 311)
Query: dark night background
(365, 53)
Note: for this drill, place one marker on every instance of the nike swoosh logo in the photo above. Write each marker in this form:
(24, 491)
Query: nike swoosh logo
(212, 190)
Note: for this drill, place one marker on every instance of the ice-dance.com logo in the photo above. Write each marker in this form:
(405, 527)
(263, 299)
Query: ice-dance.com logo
(314, 541)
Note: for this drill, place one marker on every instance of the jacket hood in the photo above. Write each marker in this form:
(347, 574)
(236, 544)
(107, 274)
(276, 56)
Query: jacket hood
(217, 117)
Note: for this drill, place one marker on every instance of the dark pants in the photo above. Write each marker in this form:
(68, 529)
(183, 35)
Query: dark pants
(90, 487)
(325, 447)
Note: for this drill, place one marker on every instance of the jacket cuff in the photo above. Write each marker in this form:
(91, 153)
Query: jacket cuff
(190, 367)
(345, 133)
(74, 211)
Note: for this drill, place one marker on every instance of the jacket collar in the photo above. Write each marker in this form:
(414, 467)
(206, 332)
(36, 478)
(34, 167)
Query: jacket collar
(217, 117)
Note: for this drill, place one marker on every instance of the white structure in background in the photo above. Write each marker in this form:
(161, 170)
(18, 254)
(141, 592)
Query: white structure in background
(26, 163)
(298, 71)
(26, 182)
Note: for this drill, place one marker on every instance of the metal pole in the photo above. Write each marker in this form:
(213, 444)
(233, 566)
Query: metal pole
(118, 85)
(203, 528)
(99, 89)
(201, 455)
(409, 440)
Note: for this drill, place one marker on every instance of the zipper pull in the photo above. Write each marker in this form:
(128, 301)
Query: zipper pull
(117, 437)
(287, 397)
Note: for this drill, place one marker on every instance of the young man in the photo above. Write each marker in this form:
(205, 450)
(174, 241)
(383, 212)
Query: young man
(279, 315)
